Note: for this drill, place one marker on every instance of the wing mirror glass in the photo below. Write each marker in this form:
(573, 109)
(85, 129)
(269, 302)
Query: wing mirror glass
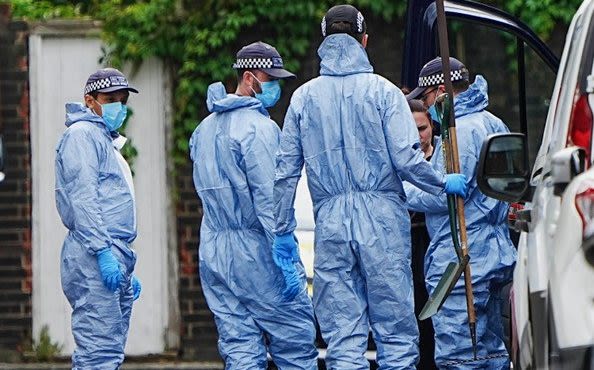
(503, 167)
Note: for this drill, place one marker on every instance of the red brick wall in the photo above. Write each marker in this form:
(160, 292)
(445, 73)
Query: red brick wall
(15, 191)
(198, 332)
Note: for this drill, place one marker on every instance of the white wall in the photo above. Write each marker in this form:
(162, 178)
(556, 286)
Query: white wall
(60, 63)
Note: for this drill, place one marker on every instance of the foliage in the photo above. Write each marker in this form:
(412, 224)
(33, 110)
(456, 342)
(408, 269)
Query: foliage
(542, 15)
(129, 151)
(198, 39)
(45, 9)
(44, 348)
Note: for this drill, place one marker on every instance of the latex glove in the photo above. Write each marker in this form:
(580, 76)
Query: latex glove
(284, 251)
(136, 287)
(293, 284)
(110, 269)
(456, 184)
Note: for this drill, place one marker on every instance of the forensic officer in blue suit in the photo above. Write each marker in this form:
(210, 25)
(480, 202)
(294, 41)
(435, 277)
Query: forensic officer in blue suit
(233, 151)
(95, 199)
(492, 254)
(355, 134)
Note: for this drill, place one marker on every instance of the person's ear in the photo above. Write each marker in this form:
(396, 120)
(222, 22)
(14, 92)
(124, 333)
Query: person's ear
(247, 77)
(89, 101)
(92, 103)
(364, 40)
(441, 89)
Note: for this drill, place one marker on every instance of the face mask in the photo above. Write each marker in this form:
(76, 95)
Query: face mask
(114, 115)
(433, 113)
(270, 94)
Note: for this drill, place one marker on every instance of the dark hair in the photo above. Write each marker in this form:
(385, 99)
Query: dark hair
(346, 27)
(417, 106)
(460, 86)
(240, 73)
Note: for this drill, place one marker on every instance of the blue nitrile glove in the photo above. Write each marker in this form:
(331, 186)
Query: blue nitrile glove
(284, 251)
(292, 283)
(110, 269)
(136, 287)
(456, 184)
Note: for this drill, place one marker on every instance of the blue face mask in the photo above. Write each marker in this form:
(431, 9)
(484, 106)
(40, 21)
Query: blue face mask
(270, 94)
(114, 115)
(433, 112)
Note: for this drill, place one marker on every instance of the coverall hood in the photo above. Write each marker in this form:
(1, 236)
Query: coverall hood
(217, 100)
(474, 99)
(76, 112)
(342, 55)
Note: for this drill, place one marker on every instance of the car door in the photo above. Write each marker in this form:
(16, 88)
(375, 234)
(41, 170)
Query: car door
(521, 72)
(518, 65)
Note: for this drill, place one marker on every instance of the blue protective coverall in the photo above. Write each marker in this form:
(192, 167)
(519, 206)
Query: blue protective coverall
(492, 254)
(233, 152)
(355, 134)
(96, 204)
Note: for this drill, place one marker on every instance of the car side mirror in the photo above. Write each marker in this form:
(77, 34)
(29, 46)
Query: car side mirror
(565, 165)
(1, 159)
(503, 167)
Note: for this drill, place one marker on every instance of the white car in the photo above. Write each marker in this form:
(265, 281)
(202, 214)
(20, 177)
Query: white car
(553, 289)
(305, 227)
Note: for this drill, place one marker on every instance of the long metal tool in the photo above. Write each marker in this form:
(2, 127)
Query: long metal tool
(445, 58)
(454, 270)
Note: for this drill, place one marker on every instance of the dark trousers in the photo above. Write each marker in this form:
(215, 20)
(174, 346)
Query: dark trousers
(420, 242)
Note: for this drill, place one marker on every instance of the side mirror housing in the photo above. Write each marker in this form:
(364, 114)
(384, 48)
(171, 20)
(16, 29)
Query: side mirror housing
(503, 167)
(565, 165)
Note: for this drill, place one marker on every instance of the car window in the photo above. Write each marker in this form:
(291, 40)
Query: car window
(493, 53)
(540, 81)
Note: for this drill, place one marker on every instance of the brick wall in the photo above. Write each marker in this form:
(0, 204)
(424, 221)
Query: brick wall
(198, 332)
(15, 191)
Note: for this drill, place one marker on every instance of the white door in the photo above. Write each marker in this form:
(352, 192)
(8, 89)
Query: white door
(59, 66)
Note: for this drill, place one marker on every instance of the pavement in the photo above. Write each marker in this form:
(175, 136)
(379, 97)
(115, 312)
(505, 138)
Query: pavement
(130, 366)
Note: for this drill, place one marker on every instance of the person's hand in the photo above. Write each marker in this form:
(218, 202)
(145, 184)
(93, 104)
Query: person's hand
(109, 268)
(136, 287)
(284, 251)
(456, 184)
(293, 284)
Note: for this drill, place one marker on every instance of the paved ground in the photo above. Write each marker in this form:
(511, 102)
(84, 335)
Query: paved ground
(131, 366)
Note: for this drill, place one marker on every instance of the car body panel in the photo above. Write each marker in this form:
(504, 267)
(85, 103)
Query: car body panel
(553, 295)
(572, 278)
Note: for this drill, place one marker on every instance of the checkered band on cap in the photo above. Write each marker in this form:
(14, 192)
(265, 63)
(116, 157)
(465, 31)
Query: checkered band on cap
(258, 63)
(437, 79)
(360, 22)
(105, 83)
